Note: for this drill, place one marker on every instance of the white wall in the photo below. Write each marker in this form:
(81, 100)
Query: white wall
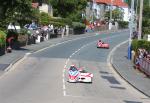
(98, 10)
(46, 8)
(126, 14)
(89, 11)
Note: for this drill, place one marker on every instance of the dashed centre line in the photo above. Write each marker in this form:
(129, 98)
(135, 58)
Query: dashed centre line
(65, 66)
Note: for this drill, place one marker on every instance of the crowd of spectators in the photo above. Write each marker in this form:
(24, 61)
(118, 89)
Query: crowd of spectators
(47, 31)
(142, 54)
(36, 33)
(96, 25)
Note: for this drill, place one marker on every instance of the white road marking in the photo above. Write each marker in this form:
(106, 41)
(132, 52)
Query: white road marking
(63, 81)
(109, 60)
(119, 77)
(63, 76)
(64, 87)
(113, 50)
(11, 67)
(53, 45)
(64, 92)
(74, 54)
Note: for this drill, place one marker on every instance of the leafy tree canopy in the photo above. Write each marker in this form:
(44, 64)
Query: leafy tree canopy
(15, 10)
(117, 14)
(68, 8)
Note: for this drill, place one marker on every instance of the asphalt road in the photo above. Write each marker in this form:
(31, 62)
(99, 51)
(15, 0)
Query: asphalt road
(42, 77)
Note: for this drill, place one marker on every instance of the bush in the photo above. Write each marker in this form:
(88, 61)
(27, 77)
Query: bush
(146, 26)
(78, 27)
(146, 30)
(2, 38)
(123, 24)
(60, 21)
(44, 18)
(136, 44)
(58, 24)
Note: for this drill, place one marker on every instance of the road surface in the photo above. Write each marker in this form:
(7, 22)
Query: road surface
(41, 77)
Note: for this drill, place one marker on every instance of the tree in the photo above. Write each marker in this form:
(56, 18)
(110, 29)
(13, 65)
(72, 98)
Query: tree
(117, 14)
(68, 8)
(63, 7)
(44, 18)
(15, 10)
(146, 14)
(146, 20)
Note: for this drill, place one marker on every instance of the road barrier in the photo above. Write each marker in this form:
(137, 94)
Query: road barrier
(145, 66)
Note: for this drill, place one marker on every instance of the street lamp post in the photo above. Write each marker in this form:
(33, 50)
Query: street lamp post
(93, 10)
(110, 19)
(111, 10)
(137, 3)
(140, 19)
(131, 29)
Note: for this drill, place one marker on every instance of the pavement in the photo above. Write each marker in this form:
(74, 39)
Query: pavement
(123, 66)
(9, 59)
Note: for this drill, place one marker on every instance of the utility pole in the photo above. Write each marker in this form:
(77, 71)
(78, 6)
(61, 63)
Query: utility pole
(140, 19)
(131, 29)
(93, 10)
(111, 8)
(137, 4)
(110, 19)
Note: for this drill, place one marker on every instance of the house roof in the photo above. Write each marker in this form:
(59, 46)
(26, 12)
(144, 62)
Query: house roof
(103, 1)
(119, 3)
(35, 5)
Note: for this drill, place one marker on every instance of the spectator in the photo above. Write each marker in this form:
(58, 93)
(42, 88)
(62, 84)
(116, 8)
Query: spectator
(62, 31)
(135, 35)
(137, 63)
(67, 30)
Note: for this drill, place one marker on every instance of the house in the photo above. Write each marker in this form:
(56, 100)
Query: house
(43, 7)
(96, 8)
(46, 8)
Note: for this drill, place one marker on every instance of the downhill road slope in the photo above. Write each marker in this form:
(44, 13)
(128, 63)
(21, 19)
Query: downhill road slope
(42, 77)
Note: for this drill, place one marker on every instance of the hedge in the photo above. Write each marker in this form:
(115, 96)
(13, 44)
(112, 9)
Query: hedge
(78, 27)
(57, 23)
(136, 44)
(2, 38)
(63, 21)
(45, 19)
(146, 30)
(123, 24)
